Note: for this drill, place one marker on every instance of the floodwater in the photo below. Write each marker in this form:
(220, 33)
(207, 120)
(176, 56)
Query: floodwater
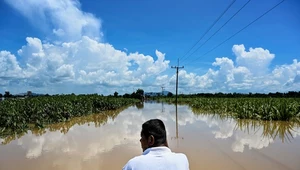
(108, 141)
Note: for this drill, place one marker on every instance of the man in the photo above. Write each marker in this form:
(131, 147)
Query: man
(156, 153)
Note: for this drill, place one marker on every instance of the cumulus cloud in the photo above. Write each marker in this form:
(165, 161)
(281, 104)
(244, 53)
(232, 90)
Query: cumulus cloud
(67, 21)
(257, 60)
(74, 54)
(250, 72)
(289, 74)
(9, 66)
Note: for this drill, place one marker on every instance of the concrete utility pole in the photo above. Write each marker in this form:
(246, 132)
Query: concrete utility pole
(177, 68)
(162, 90)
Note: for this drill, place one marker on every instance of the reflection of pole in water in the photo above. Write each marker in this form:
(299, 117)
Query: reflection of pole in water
(176, 123)
(162, 107)
(177, 134)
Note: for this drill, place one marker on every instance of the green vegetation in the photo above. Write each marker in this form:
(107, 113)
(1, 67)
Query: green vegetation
(285, 109)
(282, 130)
(271, 129)
(96, 120)
(18, 115)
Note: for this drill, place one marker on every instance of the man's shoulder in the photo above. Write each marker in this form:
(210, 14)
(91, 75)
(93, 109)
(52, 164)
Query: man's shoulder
(133, 162)
(142, 160)
(144, 157)
(136, 158)
(180, 156)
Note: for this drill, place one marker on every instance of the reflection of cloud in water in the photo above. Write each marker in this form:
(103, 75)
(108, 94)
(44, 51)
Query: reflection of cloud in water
(185, 115)
(85, 142)
(252, 140)
(48, 142)
(225, 127)
(245, 134)
(296, 132)
(225, 131)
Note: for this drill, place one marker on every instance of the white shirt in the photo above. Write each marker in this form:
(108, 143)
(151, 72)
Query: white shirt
(158, 158)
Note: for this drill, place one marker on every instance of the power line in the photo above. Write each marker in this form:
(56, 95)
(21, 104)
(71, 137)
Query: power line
(218, 29)
(209, 28)
(239, 31)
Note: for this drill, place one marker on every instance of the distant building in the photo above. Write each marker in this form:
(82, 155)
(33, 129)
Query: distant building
(29, 93)
(154, 94)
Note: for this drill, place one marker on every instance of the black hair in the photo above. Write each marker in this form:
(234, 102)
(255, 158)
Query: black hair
(156, 128)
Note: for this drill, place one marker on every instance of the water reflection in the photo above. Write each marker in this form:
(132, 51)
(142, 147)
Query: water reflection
(96, 141)
(139, 105)
(252, 133)
(285, 131)
(177, 137)
(64, 127)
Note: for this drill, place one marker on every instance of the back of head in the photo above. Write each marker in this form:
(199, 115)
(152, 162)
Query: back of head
(156, 128)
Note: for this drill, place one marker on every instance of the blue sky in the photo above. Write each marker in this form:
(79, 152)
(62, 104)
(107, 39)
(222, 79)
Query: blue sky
(128, 36)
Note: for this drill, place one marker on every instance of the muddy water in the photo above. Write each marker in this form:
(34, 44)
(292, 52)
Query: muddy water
(108, 141)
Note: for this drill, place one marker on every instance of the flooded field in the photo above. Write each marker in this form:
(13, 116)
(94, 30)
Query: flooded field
(109, 141)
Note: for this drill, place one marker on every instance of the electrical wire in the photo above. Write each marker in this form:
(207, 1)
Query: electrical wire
(182, 62)
(238, 31)
(214, 23)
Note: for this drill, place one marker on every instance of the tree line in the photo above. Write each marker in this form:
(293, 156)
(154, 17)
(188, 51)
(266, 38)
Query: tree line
(139, 94)
(289, 94)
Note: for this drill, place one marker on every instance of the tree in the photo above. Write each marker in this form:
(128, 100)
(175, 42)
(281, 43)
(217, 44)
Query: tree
(0, 95)
(7, 94)
(169, 94)
(126, 95)
(116, 94)
(140, 94)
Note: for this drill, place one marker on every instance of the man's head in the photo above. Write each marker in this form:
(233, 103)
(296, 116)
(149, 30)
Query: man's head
(153, 134)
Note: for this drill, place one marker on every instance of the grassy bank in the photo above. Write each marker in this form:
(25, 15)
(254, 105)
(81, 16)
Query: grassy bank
(17, 115)
(285, 109)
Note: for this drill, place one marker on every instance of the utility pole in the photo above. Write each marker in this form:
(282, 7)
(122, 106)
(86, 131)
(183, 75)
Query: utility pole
(162, 90)
(177, 68)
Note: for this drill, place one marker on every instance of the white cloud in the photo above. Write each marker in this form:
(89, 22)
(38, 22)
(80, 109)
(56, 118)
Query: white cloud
(85, 61)
(257, 60)
(68, 20)
(250, 73)
(9, 66)
(74, 55)
(287, 73)
(161, 80)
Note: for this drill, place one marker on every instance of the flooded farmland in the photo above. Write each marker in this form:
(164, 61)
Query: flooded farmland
(109, 140)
